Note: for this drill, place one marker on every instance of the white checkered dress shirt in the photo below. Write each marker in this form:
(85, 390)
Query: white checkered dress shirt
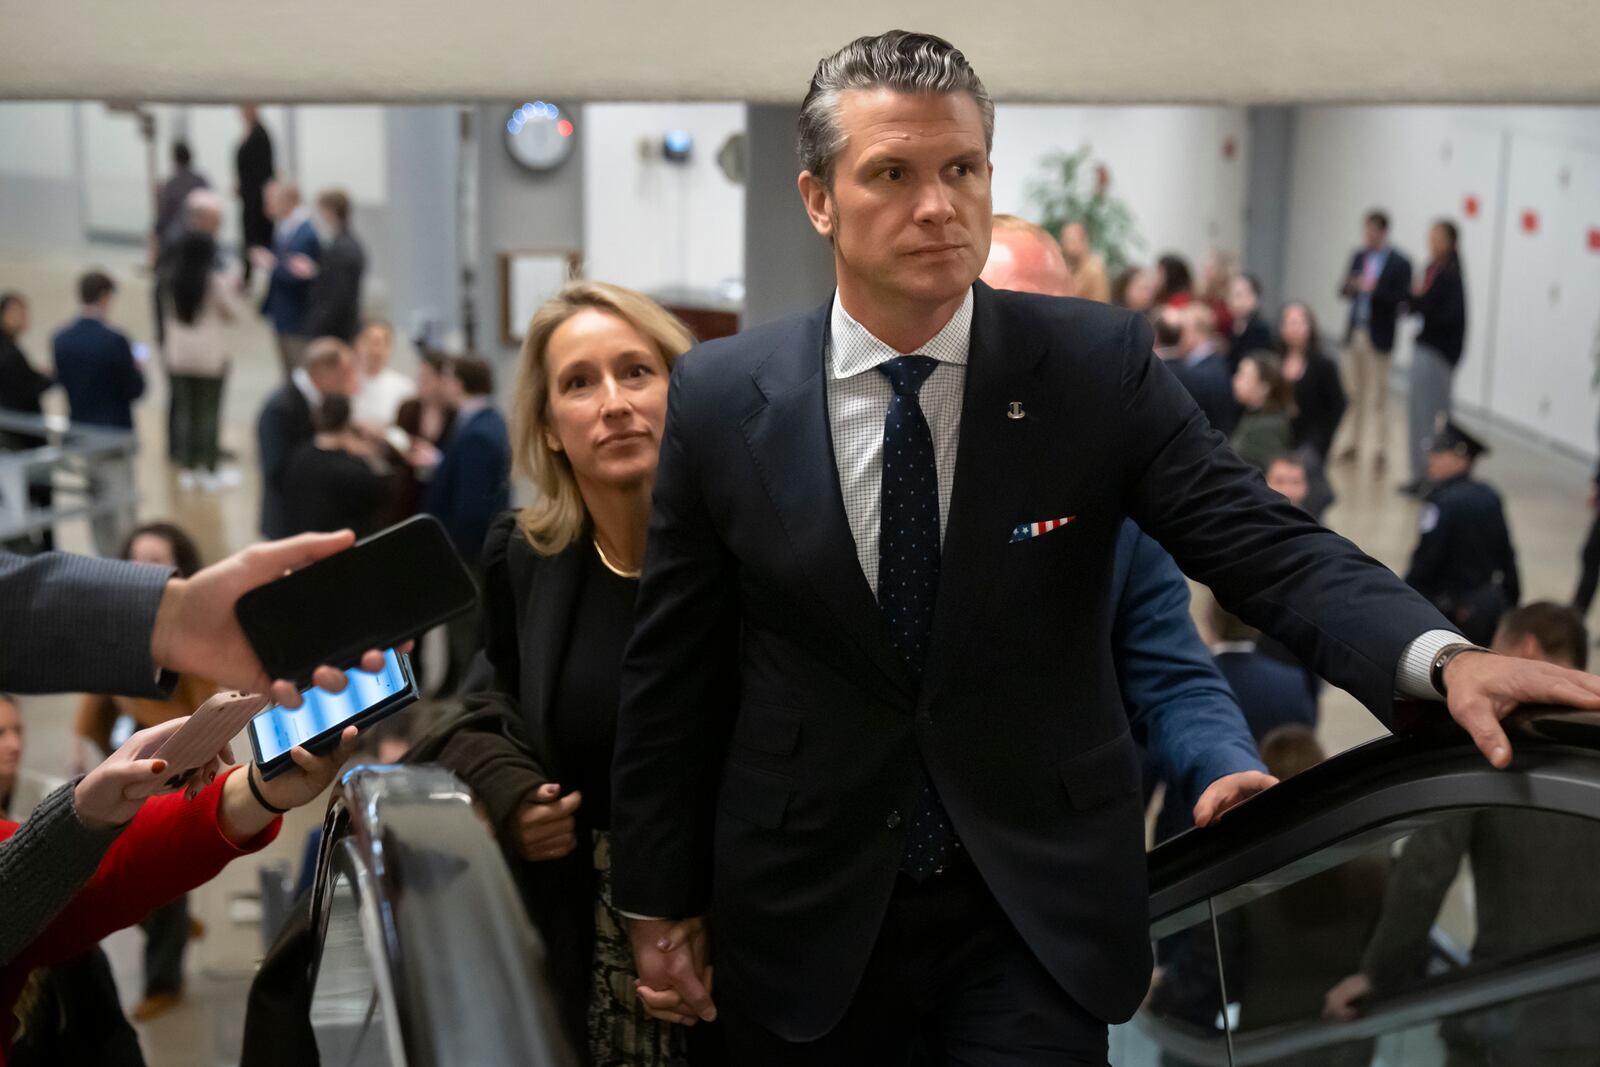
(858, 404)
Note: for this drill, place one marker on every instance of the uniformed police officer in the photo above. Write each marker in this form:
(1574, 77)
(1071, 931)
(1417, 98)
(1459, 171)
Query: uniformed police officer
(1464, 561)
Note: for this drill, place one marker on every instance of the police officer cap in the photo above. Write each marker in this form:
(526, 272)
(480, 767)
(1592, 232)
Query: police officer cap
(1451, 438)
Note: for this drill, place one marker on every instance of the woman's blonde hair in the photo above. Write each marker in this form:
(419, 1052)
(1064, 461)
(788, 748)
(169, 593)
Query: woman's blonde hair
(557, 517)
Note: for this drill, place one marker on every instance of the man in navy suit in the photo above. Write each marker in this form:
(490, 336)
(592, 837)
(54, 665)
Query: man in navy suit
(870, 721)
(1378, 285)
(293, 261)
(95, 363)
(470, 486)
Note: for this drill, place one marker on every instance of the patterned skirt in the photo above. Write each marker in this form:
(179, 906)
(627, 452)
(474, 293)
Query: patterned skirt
(621, 1032)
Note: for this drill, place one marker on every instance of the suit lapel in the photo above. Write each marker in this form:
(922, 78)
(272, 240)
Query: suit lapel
(546, 624)
(792, 446)
(995, 463)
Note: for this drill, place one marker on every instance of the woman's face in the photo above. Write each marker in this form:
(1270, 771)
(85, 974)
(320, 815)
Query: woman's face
(1141, 291)
(15, 319)
(152, 548)
(1294, 327)
(1438, 242)
(1248, 388)
(607, 399)
(1242, 301)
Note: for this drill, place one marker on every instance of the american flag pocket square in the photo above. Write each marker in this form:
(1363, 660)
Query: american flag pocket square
(1029, 530)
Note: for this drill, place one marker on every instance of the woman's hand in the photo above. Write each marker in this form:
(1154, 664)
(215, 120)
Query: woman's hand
(242, 816)
(112, 793)
(544, 826)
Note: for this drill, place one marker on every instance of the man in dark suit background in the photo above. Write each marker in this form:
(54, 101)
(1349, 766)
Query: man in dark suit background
(1203, 368)
(95, 363)
(254, 168)
(293, 263)
(470, 486)
(869, 720)
(1377, 284)
(285, 422)
(333, 304)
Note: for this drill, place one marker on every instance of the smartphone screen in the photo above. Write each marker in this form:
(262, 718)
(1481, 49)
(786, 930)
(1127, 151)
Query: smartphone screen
(384, 590)
(276, 730)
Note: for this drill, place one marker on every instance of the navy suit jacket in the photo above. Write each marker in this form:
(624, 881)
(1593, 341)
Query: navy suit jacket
(1179, 707)
(288, 295)
(1272, 693)
(1389, 298)
(472, 483)
(283, 426)
(771, 743)
(95, 365)
(1211, 384)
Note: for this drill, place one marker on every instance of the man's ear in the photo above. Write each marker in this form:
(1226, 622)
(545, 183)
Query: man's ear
(818, 199)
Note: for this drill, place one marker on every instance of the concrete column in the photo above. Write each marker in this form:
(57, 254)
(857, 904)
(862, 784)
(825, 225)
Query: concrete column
(787, 267)
(1266, 226)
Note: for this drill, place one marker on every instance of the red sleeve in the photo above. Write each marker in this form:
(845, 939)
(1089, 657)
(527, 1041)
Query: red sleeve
(172, 846)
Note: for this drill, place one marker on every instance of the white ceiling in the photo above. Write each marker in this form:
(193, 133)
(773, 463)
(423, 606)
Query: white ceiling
(1236, 51)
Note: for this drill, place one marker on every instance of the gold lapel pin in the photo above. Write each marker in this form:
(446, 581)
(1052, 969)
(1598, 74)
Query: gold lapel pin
(1014, 410)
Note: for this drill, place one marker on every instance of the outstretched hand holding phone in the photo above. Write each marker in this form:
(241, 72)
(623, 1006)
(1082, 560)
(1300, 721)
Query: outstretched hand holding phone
(196, 630)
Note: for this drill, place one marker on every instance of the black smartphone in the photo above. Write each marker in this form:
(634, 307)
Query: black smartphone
(382, 591)
(317, 723)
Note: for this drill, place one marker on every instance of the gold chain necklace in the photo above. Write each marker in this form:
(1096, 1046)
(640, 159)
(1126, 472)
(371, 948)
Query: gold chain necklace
(620, 572)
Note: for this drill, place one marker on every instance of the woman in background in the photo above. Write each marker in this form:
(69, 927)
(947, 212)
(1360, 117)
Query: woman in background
(1441, 299)
(1263, 432)
(336, 480)
(21, 390)
(199, 300)
(105, 722)
(1319, 399)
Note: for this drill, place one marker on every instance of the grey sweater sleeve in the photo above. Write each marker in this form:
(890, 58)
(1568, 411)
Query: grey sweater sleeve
(42, 867)
(78, 624)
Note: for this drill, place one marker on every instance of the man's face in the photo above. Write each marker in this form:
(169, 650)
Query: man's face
(1443, 466)
(909, 210)
(1018, 260)
(1373, 234)
(1288, 480)
(1075, 240)
(15, 320)
(339, 378)
(374, 346)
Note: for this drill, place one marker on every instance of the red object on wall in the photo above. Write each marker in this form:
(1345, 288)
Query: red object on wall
(1530, 222)
(1594, 238)
(1469, 207)
(1229, 148)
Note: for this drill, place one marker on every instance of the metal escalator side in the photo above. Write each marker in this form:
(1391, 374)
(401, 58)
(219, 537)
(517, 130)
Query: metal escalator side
(1357, 867)
(427, 958)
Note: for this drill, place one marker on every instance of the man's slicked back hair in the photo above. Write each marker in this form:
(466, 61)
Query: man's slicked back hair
(899, 60)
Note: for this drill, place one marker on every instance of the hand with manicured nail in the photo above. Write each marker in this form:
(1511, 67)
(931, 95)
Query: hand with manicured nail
(111, 794)
(544, 825)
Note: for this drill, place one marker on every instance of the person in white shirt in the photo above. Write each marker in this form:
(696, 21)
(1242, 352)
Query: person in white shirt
(382, 389)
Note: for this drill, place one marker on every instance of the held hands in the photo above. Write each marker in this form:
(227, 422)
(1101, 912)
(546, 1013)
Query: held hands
(1485, 688)
(197, 632)
(543, 824)
(1227, 792)
(674, 982)
(112, 793)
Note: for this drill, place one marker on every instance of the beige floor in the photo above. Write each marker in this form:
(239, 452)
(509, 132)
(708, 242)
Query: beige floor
(1545, 494)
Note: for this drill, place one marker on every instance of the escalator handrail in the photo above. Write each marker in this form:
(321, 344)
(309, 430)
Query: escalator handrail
(1369, 792)
(1473, 988)
(440, 899)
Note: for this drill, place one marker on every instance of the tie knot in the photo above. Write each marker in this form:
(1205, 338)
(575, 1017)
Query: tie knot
(907, 373)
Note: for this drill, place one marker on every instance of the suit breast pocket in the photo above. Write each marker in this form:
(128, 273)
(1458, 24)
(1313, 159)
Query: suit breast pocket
(1104, 774)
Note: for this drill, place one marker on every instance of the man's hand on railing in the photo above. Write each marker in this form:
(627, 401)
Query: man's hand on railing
(1227, 792)
(674, 981)
(1482, 688)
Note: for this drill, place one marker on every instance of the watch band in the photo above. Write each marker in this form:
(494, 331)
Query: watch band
(1442, 658)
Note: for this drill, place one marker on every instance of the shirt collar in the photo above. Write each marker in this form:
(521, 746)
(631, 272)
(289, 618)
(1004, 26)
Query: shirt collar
(855, 350)
(302, 381)
(469, 407)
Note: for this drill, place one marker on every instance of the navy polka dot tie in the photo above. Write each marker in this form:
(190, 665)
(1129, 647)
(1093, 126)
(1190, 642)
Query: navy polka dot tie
(908, 575)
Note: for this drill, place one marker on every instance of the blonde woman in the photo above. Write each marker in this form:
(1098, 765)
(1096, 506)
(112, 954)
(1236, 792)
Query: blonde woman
(560, 580)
